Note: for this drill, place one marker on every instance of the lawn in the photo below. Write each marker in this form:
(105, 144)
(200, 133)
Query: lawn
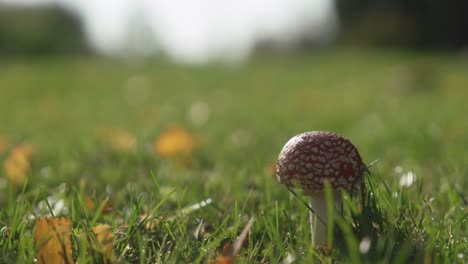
(177, 159)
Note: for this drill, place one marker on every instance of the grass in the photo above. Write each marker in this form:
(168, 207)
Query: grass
(406, 110)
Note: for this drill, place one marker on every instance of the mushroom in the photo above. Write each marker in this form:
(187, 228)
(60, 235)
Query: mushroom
(313, 158)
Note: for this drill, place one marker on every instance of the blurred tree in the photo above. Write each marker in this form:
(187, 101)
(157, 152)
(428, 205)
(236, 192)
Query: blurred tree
(39, 31)
(416, 23)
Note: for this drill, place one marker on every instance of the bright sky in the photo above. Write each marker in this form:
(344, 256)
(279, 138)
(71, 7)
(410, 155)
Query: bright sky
(196, 31)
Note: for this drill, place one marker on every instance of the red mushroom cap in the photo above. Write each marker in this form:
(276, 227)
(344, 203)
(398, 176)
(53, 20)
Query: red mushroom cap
(311, 158)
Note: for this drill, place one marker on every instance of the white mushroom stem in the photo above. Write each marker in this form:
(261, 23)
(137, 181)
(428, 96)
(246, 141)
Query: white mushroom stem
(318, 219)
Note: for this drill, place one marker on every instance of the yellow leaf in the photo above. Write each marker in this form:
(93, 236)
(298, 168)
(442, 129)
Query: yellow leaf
(105, 240)
(175, 141)
(52, 241)
(152, 224)
(23, 149)
(18, 163)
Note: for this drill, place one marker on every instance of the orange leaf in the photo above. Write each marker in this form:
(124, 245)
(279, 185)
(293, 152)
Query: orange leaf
(52, 241)
(18, 163)
(223, 260)
(23, 149)
(175, 141)
(105, 239)
(152, 224)
(108, 207)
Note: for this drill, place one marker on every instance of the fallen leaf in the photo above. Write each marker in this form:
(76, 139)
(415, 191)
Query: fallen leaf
(152, 223)
(18, 163)
(23, 149)
(175, 142)
(52, 241)
(223, 260)
(105, 242)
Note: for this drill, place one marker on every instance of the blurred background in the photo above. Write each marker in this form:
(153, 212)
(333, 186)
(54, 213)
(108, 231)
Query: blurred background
(230, 31)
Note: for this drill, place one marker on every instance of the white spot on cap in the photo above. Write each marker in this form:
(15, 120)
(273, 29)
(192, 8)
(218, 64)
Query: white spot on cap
(342, 181)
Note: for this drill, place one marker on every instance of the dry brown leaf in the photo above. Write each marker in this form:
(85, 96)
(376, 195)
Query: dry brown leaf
(52, 240)
(105, 241)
